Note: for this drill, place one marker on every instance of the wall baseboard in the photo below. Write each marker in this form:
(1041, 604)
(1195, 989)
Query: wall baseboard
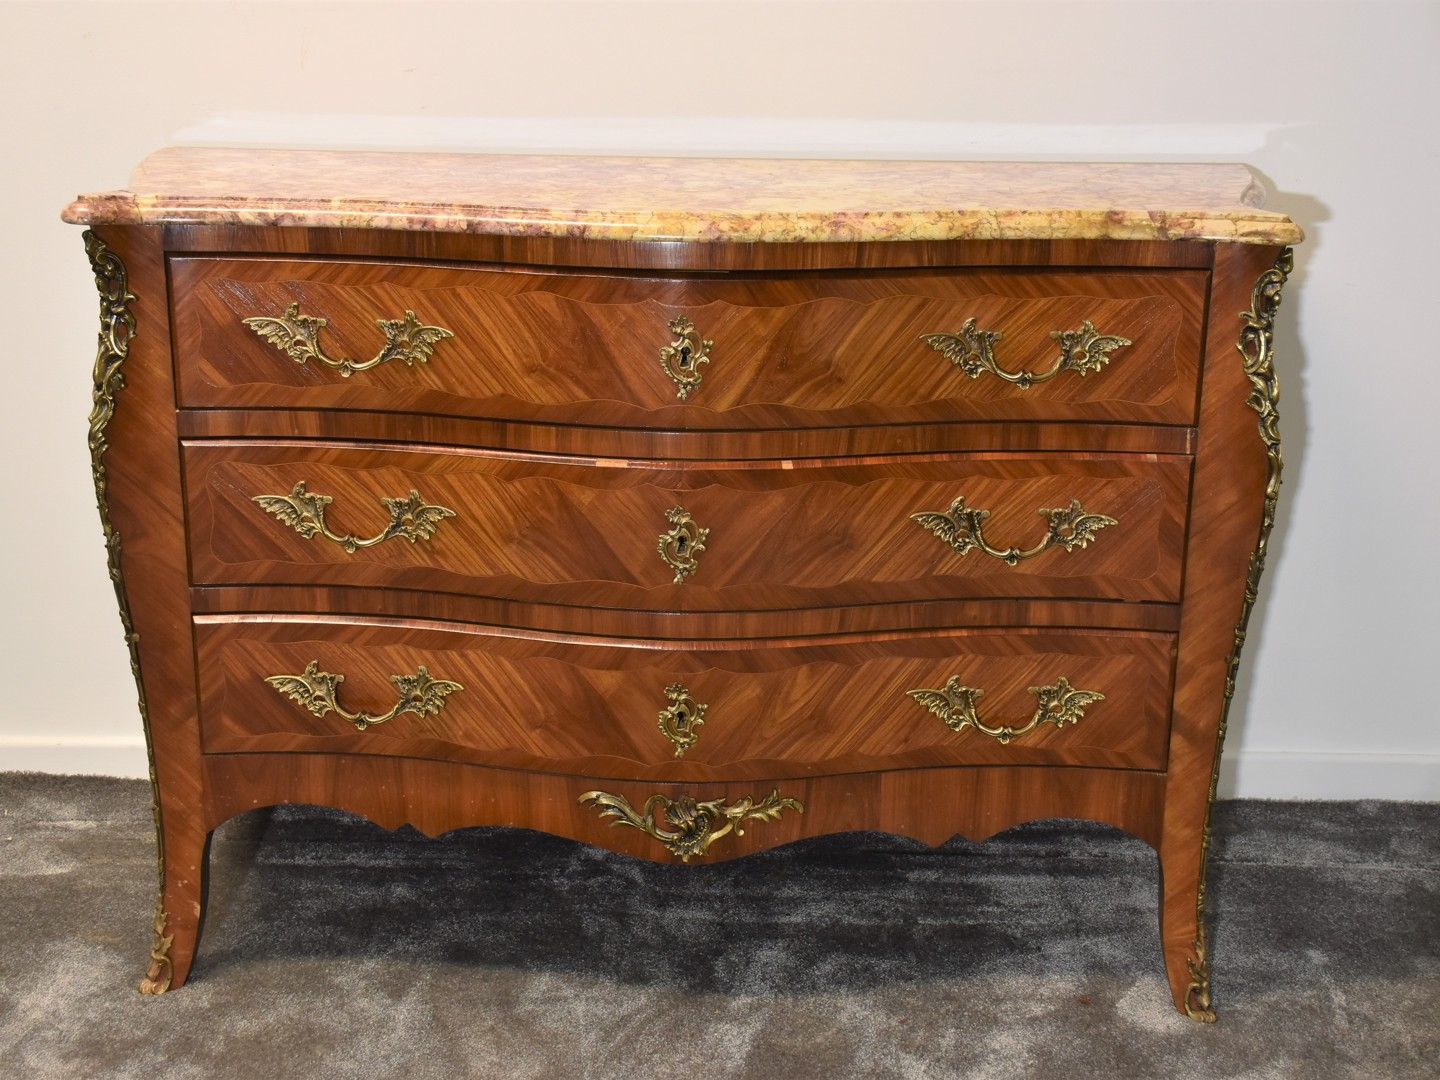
(1246, 774)
(78, 755)
(1302, 774)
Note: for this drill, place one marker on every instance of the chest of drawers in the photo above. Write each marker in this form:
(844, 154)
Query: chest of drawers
(681, 507)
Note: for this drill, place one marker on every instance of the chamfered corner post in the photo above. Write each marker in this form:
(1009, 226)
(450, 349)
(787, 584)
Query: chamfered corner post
(1235, 490)
(134, 459)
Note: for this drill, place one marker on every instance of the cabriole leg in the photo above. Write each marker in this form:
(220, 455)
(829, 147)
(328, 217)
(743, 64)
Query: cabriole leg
(179, 910)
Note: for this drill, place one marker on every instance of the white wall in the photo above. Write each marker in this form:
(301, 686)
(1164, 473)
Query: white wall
(1335, 103)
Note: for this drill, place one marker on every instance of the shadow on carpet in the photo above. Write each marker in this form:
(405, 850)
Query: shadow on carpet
(333, 948)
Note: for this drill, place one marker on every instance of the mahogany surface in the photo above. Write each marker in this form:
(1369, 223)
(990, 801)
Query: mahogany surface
(578, 440)
(805, 534)
(774, 708)
(588, 620)
(930, 805)
(633, 255)
(812, 351)
(821, 425)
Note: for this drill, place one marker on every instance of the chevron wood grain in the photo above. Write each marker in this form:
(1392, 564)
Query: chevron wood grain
(784, 708)
(802, 351)
(807, 534)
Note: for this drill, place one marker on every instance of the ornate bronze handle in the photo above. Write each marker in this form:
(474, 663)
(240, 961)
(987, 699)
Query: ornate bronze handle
(315, 690)
(694, 826)
(681, 359)
(973, 352)
(681, 720)
(298, 337)
(411, 518)
(1060, 704)
(962, 527)
(682, 544)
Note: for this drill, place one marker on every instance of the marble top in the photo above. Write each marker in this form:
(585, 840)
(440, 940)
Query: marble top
(692, 199)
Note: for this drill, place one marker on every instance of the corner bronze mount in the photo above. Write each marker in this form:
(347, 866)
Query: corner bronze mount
(117, 330)
(962, 527)
(956, 705)
(1257, 351)
(298, 337)
(694, 826)
(972, 350)
(411, 518)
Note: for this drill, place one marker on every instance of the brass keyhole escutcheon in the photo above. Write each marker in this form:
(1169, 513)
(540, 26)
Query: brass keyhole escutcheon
(681, 545)
(682, 358)
(681, 720)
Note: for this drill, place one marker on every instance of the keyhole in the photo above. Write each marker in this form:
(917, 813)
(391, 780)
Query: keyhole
(684, 356)
(682, 718)
(680, 545)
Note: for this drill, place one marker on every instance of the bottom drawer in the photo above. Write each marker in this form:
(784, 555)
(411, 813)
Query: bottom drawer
(687, 710)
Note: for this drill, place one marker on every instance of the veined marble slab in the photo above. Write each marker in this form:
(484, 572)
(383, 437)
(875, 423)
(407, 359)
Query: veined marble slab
(692, 199)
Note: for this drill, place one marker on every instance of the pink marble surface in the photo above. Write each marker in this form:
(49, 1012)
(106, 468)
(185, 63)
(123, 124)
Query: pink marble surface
(694, 199)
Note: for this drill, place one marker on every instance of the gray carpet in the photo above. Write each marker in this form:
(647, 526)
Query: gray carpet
(335, 949)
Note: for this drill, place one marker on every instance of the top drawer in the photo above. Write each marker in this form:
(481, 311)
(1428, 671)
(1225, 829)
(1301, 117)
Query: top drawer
(814, 350)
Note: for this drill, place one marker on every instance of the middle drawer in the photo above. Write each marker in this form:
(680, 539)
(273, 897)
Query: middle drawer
(741, 535)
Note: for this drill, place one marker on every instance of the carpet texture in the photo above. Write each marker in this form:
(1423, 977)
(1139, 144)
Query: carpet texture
(335, 949)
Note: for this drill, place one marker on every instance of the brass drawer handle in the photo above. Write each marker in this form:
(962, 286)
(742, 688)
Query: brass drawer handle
(694, 826)
(963, 528)
(411, 518)
(315, 690)
(681, 359)
(298, 337)
(1060, 704)
(681, 545)
(973, 352)
(681, 720)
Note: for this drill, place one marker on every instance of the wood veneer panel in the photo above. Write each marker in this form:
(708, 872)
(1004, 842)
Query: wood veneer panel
(687, 256)
(1226, 508)
(142, 470)
(774, 708)
(929, 805)
(789, 351)
(584, 440)
(592, 621)
(807, 534)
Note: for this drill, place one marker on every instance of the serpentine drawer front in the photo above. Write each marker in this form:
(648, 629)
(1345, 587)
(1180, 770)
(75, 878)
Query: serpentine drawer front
(805, 534)
(686, 508)
(748, 709)
(809, 351)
